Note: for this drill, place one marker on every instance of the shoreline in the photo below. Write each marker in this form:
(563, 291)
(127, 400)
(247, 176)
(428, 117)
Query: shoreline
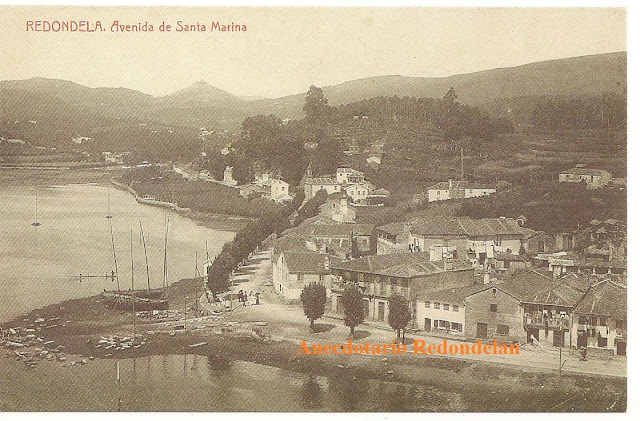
(209, 220)
(88, 322)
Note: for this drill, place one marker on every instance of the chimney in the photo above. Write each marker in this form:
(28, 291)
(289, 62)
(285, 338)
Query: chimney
(450, 183)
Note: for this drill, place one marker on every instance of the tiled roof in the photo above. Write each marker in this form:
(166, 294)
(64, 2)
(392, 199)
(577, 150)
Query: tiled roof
(605, 298)
(490, 226)
(322, 180)
(302, 262)
(402, 265)
(393, 228)
(526, 284)
(566, 291)
(289, 242)
(341, 230)
(452, 295)
(584, 171)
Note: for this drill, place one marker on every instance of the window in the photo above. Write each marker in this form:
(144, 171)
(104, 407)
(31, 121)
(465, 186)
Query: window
(436, 306)
(456, 326)
(445, 307)
(427, 304)
(503, 329)
(455, 307)
(300, 277)
(493, 308)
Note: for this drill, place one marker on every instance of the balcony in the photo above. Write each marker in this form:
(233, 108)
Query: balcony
(545, 322)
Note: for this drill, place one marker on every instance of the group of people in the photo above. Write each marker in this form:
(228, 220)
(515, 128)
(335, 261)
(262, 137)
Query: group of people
(251, 299)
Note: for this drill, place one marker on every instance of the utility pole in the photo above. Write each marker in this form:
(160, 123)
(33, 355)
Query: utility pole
(461, 163)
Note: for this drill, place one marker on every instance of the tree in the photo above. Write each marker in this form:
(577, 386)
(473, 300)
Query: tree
(313, 297)
(353, 307)
(315, 105)
(399, 313)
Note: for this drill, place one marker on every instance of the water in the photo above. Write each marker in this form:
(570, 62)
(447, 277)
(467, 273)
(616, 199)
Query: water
(196, 383)
(37, 263)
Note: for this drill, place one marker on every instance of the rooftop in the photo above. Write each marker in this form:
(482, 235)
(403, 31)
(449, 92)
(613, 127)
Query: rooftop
(402, 265)
(452, 295)
(584, 171)
(605, 298)
(303, 262)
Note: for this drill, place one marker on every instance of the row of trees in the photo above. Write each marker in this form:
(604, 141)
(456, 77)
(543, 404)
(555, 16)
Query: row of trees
(246, 242)
(314, 298)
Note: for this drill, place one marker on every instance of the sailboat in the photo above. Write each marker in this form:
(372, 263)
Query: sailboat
(145, 300)
(36, 223)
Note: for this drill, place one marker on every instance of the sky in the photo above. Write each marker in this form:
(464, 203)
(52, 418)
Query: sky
(284, 50)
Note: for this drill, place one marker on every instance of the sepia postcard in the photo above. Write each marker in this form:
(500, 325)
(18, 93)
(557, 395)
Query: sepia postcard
(313, 209)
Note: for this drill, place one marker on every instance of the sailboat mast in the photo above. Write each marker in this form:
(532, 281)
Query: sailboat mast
(115, 261)
(146, 258)
(165, 281)
(36, 209)
(133, 290)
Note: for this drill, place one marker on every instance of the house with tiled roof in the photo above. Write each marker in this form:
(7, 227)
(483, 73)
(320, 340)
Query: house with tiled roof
(447, 190)
(347, 180)
(381, 276)
(594, 178)
(599, 321)
(484, 237)
(293, 270)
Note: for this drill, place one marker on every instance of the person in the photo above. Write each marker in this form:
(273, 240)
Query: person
(257, 298)
(240, 296)
(244, 299)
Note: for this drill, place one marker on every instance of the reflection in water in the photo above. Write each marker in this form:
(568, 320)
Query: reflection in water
(311, 394)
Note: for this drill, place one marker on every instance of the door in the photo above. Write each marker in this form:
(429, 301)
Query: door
(427, 325)
(339, 306)
(621, 348)
(381, 311)
(366, 308)
(535, 333)
(558, 338)
(481, 330)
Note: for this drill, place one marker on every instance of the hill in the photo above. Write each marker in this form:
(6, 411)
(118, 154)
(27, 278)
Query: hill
(593, 74)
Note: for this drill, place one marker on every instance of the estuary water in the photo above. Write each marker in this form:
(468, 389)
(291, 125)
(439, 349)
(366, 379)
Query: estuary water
(38, 263)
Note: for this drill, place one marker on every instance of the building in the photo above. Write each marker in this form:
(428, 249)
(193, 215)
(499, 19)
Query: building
(594, 178)
(571, 262)
(443, 310)
(447, 190)
(380, 277)
(346, 180)
(314, 184)
(599, 321)
(339, 210)
(228, 177)
(342, 240)
(393, 238)
(293, 270)
(543, 242)
(114, 158)
(481, 237)
(267, 187)
(547, 312)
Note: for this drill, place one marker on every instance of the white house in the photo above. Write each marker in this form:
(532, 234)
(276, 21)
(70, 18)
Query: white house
(446, 190)
(293, 270)
(594, 178)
